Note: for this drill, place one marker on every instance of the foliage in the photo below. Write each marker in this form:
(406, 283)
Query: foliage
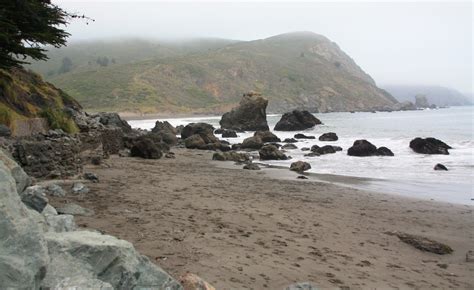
(26, 26)
(57, 119)
(66, 65)
(5, 116)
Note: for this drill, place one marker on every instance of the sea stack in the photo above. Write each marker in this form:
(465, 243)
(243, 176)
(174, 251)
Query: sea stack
(250, 115)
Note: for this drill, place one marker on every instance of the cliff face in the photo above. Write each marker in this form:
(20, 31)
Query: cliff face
(27, 101)
(295, 70)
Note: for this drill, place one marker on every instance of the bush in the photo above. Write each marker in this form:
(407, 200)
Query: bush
(5, 117)
(57, 119)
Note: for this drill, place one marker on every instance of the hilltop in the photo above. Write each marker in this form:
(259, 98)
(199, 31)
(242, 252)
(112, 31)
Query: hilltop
(292, 70)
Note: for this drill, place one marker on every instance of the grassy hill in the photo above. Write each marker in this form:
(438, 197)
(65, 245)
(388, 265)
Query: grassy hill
(24, 95)
(292, 70)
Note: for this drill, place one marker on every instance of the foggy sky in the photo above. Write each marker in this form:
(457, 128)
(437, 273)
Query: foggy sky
(395, 42)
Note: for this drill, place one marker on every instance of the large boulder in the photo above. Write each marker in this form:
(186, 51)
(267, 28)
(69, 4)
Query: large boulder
(296, 120)
(23, 252)
(300, 166)
(429, 146)
(113, 120)
(254, 142)
(165, 126)
(206, 131)
(146, 148)
(331, 136)
(249, 115)
(194, 142)
(267, 136)
(362, 148)
(271, 152)
(22, 179)
(384, 151)
(93, 256)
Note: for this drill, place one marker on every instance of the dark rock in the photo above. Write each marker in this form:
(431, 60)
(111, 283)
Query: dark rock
(290, 140)
(229, 134)
(337, 148)
(253, 142)
(289, 146)
(161, 127)
(5, 131)
(114, 120)
(303, 136)
(296, 120)
(305, 149)
(124, 153)
(179, 129)
(384, 151)
(440, 166)
(166, 137)
(300, 166)
(251, 166)
(312, 154)
(55, 190)
(225, 142)
(270, 152)
(328, 137)
(429, 146)
(250, 115)
(96, 160)
(236, 146)
(326, 149)
(34, 197)
(301, 177)
(194, 142)
(146, 148)
(275, 144)
(362, 148)
(219, 131)
(91, 176)
(423, 244)
(231, 156)
(267, 136)
(202, 129)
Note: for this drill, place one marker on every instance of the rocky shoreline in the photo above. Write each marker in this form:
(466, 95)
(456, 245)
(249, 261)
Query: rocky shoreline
(62, 168)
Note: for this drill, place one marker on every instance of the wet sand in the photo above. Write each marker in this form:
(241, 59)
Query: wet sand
(241, 229)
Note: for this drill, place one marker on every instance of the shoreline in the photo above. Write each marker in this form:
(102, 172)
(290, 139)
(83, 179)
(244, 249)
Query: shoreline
(245, 229)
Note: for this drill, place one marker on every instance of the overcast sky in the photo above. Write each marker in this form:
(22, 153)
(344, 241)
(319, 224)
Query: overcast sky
(395, 42)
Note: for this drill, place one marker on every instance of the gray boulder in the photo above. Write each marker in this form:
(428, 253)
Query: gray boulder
(249, 115)
(92, 256)
(22, 180)
(35, 197)
(75, 209)
(23, 252)
(55, 190)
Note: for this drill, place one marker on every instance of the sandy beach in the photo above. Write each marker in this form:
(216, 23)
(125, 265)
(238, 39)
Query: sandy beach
(241, 229)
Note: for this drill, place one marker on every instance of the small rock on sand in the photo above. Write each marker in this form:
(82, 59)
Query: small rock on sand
(423, 244)
(74, 209)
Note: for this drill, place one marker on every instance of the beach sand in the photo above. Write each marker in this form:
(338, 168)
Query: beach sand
(241, 229)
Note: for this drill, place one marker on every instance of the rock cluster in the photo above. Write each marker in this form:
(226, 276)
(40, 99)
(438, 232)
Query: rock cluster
(363, 148)
(201, 136)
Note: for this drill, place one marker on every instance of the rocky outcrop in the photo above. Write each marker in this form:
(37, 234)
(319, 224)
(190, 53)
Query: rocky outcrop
(200, 136)
(405, 106)
(267, 136)
(164, 127)
(271, 152)
(44, 251)
(331, 136)
(250, 115)
(296, 120)
(113, 120)
(421, 102)
(300, 166)
(429, 146)
(363, 148)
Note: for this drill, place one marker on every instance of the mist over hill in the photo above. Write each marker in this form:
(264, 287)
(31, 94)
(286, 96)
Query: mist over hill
(292, 70)
(438, 95)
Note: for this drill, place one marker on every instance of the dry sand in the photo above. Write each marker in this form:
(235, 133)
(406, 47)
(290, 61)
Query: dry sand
(241, 229)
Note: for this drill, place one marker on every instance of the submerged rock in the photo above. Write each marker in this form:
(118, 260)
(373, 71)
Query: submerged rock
(296, 120)
(328, 137)
(300, 166)
(384, 151)
(270, 152)
(249, 115)
(440, 166)
(429, 146)
(303, 136)
(290, 140)
(229, 134)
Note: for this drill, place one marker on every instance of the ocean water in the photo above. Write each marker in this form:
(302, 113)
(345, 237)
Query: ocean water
(407, 173)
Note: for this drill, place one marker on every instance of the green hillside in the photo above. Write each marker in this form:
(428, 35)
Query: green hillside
(292, 70)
